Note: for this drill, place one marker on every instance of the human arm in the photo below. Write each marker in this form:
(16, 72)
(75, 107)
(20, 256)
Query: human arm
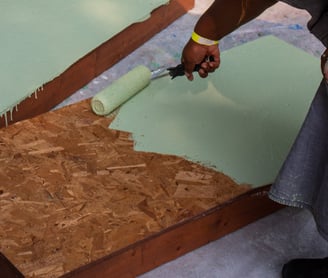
(222, 17)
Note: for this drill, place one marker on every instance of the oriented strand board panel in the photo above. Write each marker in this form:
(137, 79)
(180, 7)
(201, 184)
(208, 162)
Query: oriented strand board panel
(85, 39)
(241, 120)
(73, 191)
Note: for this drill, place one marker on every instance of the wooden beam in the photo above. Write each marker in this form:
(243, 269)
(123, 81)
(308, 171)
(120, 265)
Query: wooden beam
(183, 237)
(7, 269)
(97, 61)
(173, 242)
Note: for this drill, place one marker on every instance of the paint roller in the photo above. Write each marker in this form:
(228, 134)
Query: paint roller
(106, 101)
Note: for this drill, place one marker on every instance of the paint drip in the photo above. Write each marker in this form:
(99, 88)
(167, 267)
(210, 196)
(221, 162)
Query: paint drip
(10, 110)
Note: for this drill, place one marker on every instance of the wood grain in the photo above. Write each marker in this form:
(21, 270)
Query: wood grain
(181, 238)
(74, 191)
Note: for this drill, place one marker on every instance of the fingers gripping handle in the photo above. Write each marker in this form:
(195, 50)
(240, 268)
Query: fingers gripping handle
(179, 70)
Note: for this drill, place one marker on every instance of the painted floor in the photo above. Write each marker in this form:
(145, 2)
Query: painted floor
(261, 248)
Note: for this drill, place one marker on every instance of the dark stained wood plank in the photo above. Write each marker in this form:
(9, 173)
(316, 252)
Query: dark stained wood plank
(7, 269)
(182, 238)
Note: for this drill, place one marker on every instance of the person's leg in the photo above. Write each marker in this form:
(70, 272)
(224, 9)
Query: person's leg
(303, 181)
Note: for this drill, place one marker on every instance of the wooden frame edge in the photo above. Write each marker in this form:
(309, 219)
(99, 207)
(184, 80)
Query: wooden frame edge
(7, 269)
(182, 238)
(174, 241)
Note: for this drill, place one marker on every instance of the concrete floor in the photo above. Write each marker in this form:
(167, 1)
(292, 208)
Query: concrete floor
(261, 248)
(257, 251)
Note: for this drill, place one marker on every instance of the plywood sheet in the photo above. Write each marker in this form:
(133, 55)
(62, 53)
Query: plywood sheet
(77, 27)
(241, 120)
(73, 191)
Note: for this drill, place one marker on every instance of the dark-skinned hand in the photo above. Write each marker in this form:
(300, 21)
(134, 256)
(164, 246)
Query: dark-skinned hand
(194, 53)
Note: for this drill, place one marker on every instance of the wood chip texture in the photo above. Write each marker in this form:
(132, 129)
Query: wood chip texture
(73, 191)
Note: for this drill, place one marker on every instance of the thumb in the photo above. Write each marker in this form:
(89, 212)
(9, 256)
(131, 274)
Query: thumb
(192, 54)
(188, 69)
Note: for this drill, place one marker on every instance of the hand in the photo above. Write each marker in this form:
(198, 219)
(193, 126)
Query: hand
(194, 53)
(324, 64)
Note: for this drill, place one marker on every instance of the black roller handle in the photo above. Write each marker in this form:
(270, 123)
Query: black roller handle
(180, 71)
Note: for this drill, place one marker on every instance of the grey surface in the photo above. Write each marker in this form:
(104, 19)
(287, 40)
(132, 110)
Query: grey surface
(258, 250)
(261, 248)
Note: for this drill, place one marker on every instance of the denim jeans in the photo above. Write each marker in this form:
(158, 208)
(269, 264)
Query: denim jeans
(303, 179)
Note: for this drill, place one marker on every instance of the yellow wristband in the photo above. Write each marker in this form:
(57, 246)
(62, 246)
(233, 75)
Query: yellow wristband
(199, 39)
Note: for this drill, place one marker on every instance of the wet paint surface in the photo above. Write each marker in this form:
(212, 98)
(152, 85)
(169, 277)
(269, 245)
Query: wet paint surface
(41, 39)
(242, 120)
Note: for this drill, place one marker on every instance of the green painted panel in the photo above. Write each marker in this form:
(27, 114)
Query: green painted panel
(241, 120)
(40, 39)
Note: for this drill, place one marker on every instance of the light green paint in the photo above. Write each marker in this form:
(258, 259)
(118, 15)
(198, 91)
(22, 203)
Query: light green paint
(241, 120)
(40, 39)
